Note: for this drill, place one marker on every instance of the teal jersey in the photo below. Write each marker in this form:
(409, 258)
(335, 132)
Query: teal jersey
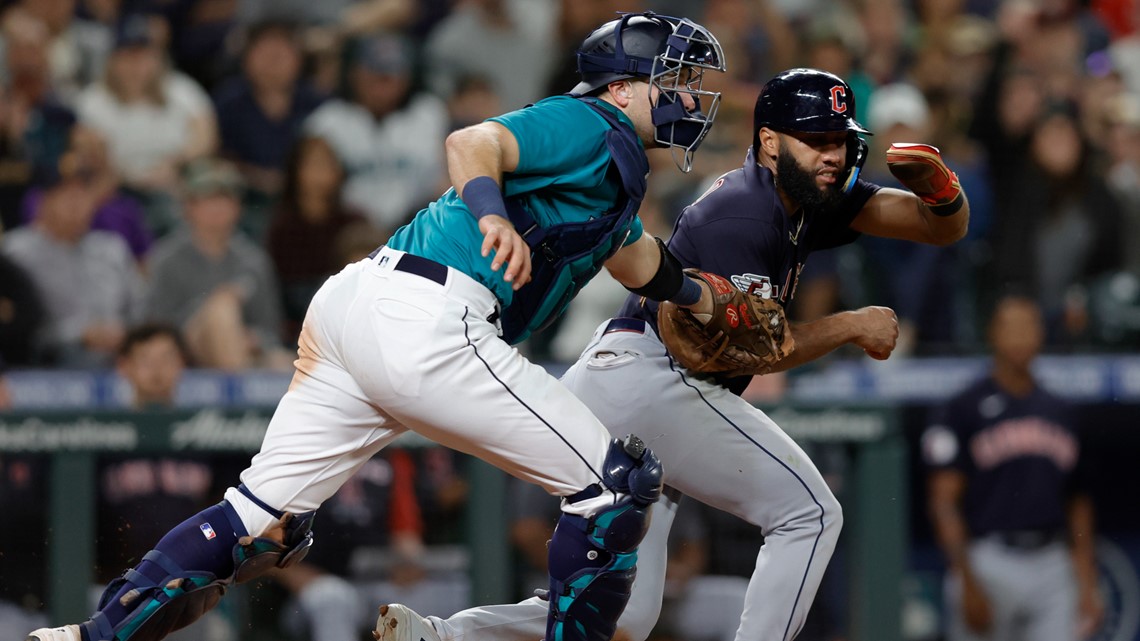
(562, 176)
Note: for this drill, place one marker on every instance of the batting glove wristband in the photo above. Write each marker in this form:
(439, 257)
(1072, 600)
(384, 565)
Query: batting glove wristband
(921, 169)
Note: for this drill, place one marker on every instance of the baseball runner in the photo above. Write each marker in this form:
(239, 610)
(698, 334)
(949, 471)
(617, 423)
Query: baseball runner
(418, 337)
(1008, 499)
(798, 191)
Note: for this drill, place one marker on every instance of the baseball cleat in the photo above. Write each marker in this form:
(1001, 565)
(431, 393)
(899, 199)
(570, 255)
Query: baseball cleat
(400, 623)
(66, 633)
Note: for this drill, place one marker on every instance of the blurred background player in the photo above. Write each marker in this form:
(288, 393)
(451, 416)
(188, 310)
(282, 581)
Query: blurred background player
(1008, 500)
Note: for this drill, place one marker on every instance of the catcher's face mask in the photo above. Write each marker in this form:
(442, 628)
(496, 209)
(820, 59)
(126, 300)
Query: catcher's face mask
(680, 70)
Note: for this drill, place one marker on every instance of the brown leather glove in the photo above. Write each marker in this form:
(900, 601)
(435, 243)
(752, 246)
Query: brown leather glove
(746, 334)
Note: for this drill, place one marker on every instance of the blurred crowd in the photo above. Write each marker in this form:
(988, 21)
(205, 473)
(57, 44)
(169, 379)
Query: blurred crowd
(207, 163)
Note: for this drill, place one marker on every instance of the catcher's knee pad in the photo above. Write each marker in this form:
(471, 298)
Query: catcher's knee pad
(160, 596)
(593, 561)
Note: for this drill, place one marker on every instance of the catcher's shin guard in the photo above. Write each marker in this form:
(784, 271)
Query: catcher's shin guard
(160, 595)
(593, 561)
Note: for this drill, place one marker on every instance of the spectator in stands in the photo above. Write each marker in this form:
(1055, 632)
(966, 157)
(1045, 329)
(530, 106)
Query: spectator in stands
(473, 101)
(115, 211)
(78, 48)
(151, 360)
(154, 118)
(215, 284)
(1008, 498)
(305, 226)
(1123, 170)
(389, 137)
(1058, 224)
(341, 17)
(260, 111)
(507, 42)
(88, 279)
(21, 315)
(34, 125)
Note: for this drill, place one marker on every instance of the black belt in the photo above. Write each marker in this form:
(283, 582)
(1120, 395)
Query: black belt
(1029, 539)
(625, 325)
(429, 269)
(412, 264)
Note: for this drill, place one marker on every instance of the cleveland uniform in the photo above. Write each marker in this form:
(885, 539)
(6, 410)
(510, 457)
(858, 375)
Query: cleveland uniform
(1021, 459)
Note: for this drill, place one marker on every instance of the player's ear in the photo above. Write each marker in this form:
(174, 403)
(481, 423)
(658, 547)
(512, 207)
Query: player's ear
(621, 92)
(769, 142)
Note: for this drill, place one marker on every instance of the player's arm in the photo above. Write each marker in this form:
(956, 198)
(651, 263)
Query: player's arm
(477, 157)
(935, 210)
(946, 488)
(1082, 542)
(646, 267)
(874, 329)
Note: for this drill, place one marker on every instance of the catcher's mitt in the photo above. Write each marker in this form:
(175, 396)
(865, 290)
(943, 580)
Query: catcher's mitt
(746, 334)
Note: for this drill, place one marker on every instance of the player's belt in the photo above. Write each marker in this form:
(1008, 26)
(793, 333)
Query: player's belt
(418, 265)
(625, 325)
(1029, 539)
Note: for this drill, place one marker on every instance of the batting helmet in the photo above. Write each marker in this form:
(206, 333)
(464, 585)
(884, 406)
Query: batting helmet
(807, 100)
(812, 101)
(672, 55)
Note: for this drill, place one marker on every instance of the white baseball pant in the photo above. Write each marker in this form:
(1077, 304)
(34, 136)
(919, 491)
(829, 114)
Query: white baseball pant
(384, 350)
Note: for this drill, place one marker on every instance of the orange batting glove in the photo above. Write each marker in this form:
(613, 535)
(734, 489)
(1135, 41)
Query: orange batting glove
(921, 169)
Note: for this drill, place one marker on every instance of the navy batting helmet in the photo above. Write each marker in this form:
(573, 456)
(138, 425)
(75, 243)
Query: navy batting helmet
(812, 101)
(672, 55)
(807, 100)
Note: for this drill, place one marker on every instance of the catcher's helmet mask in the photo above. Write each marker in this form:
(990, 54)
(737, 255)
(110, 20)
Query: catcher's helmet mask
(672, 55)
(812, 101)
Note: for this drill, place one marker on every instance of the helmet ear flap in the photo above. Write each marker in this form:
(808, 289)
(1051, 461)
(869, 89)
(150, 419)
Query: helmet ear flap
(857, 150)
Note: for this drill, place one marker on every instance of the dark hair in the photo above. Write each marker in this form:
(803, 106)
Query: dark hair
(149, 331)
(272, 26)
(290, 196)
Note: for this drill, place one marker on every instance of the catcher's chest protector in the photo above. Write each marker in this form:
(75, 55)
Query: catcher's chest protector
(564, 257)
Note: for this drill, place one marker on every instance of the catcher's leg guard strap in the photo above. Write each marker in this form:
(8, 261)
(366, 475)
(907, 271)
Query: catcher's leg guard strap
(188, 572)
(592, 561)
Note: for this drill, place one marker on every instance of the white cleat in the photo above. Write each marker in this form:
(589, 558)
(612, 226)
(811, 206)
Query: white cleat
(400, 623)
(66, 633)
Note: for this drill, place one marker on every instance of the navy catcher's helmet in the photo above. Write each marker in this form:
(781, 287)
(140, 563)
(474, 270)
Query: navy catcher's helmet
(672, 55)
(812, 101)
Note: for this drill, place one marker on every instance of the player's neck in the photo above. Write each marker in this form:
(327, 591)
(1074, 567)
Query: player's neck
(1015, 380)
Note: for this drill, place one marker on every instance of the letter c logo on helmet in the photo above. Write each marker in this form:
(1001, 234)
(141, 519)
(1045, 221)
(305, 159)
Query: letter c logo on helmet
(837, 92)
(672, 54)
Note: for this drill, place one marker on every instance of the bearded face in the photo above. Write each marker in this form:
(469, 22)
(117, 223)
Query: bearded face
(802, 184)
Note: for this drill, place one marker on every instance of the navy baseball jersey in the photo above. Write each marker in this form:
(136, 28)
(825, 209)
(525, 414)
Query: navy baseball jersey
(1020, 456)
(740, 229)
